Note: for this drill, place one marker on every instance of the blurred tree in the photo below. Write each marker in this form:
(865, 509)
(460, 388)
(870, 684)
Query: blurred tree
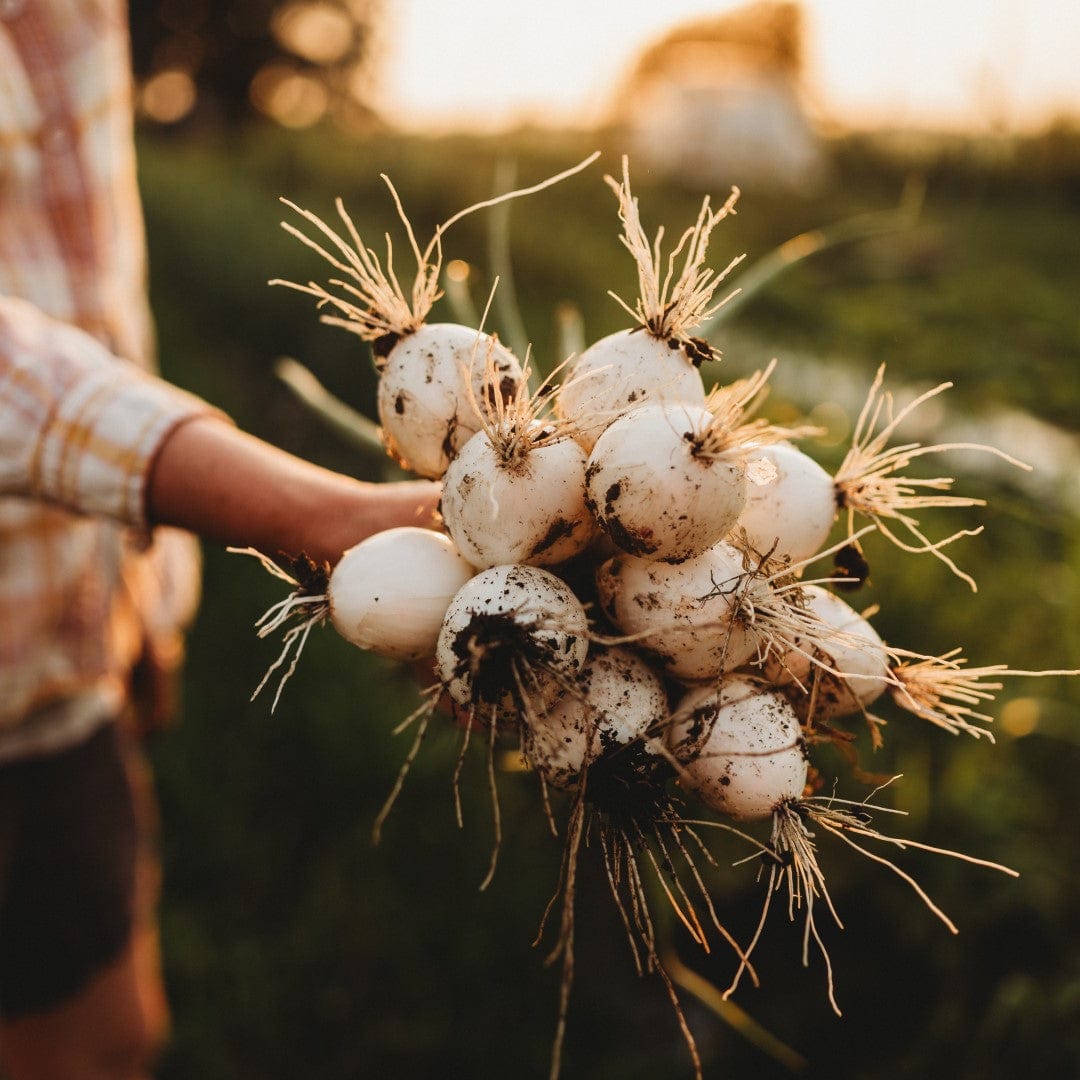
(229, 62)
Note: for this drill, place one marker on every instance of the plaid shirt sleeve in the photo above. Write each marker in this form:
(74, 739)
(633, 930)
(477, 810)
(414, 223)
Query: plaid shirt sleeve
(78, 426)
(82, 595)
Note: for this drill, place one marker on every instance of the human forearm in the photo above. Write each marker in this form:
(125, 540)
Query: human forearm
(232, 488)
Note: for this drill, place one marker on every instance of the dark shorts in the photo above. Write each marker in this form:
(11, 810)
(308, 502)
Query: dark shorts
(68, 841)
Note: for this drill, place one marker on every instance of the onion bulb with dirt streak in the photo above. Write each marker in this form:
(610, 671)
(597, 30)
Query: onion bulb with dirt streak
(663, 483)
(431, 374)
(740, 747)
(516, 494)
(512, 635)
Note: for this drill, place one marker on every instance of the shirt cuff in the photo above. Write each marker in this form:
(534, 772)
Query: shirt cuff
(79, 426)
(96, 450)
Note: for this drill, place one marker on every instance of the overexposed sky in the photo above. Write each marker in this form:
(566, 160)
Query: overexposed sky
(953, 63)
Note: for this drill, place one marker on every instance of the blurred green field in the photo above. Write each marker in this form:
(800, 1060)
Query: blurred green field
(295, 948)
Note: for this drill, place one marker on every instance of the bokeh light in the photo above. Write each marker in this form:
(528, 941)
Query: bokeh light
(168, 96)
(289, 96)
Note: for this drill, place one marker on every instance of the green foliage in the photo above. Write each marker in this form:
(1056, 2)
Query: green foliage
(294, 947)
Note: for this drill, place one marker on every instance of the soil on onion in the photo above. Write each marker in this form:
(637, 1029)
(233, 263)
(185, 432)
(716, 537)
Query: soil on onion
(495, 644)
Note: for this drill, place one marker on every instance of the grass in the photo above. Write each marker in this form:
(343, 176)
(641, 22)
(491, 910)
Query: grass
(296, 948)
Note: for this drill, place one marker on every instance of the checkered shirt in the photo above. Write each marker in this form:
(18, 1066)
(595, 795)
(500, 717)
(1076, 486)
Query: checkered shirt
(82, 591)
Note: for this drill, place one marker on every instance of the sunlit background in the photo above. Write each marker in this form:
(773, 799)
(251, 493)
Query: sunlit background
(911, 195)
(992, 65)
(999, 65)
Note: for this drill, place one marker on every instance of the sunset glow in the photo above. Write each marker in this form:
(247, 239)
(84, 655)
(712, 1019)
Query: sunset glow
(991, 65)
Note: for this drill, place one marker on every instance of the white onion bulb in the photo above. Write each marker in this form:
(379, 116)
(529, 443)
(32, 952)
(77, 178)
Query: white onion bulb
(507, 630)
(655, 492)
(530, 509)
(741, 747)
(682, 612)
(429, 388)
(795, 511)
(856, 650)
(616, 699)
(620, 372)
(389, 593)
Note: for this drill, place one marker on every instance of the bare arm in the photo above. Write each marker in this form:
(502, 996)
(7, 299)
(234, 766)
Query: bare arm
(232, 488)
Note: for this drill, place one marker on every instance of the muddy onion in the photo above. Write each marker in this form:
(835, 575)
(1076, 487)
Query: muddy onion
(655, 492)
(510, 633)
(530, 509)
(697, 571)
(681, 613)
(740, 747)
(389, 593)
(619, 373)
(429, 387)
(616, 699)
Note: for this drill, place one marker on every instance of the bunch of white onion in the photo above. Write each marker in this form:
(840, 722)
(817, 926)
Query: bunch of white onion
(623, 586)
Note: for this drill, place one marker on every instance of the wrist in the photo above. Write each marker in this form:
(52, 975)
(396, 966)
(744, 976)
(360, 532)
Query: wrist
(353, 510)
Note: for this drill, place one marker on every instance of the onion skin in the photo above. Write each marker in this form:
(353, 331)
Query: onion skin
(653, 494)
(682, 611)
(389, 593)
(620, 372)
(741, 747)
(863, 660)
(795, 512)
(426, 407)
(531, 510)
(619, 699)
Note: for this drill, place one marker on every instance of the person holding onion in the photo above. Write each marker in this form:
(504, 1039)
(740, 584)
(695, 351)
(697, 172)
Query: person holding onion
(99, 460)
